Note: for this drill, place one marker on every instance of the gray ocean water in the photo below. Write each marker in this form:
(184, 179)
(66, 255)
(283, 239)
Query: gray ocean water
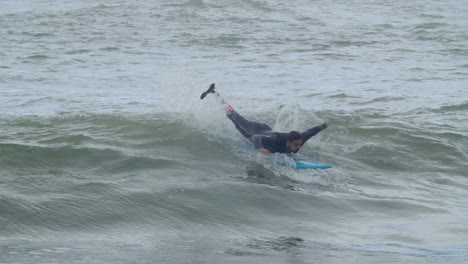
(108, 155)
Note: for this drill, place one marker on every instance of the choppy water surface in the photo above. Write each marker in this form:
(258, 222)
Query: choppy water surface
(109, 156)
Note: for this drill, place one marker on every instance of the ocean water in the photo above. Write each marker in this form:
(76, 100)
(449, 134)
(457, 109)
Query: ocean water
(108, 155)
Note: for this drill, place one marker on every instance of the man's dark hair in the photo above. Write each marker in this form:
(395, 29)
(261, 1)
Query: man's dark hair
(293, 135)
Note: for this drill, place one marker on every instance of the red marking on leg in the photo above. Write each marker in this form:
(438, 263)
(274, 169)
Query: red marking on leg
(229, 109)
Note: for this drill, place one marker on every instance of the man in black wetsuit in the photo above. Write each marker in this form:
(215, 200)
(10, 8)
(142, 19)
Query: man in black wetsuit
(268, 141)
(262, 135)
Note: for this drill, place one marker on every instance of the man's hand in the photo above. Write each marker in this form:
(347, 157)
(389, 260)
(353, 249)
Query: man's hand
(264, 151)
(325, 123)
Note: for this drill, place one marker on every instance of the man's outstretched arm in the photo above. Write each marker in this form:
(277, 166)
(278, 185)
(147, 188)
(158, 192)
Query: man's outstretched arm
(313, 131)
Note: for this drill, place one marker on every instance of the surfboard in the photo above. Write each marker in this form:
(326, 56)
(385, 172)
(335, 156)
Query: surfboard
(300, 162)
(303, 162)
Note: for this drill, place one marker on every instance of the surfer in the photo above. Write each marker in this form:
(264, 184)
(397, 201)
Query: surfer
(263, 137)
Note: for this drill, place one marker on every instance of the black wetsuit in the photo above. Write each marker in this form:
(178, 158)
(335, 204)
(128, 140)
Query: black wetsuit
(263, 136)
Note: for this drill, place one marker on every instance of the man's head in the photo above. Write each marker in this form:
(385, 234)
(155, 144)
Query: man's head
(293, 141)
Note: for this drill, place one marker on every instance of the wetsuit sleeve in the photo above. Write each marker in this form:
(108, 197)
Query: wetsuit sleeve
(312, 132)
(257, 141)
(265, 141)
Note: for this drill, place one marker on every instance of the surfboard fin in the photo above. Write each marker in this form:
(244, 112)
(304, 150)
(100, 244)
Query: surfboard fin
(210, 90)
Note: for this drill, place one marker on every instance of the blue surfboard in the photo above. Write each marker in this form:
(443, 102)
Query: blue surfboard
(303, 162)
(300, 162)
